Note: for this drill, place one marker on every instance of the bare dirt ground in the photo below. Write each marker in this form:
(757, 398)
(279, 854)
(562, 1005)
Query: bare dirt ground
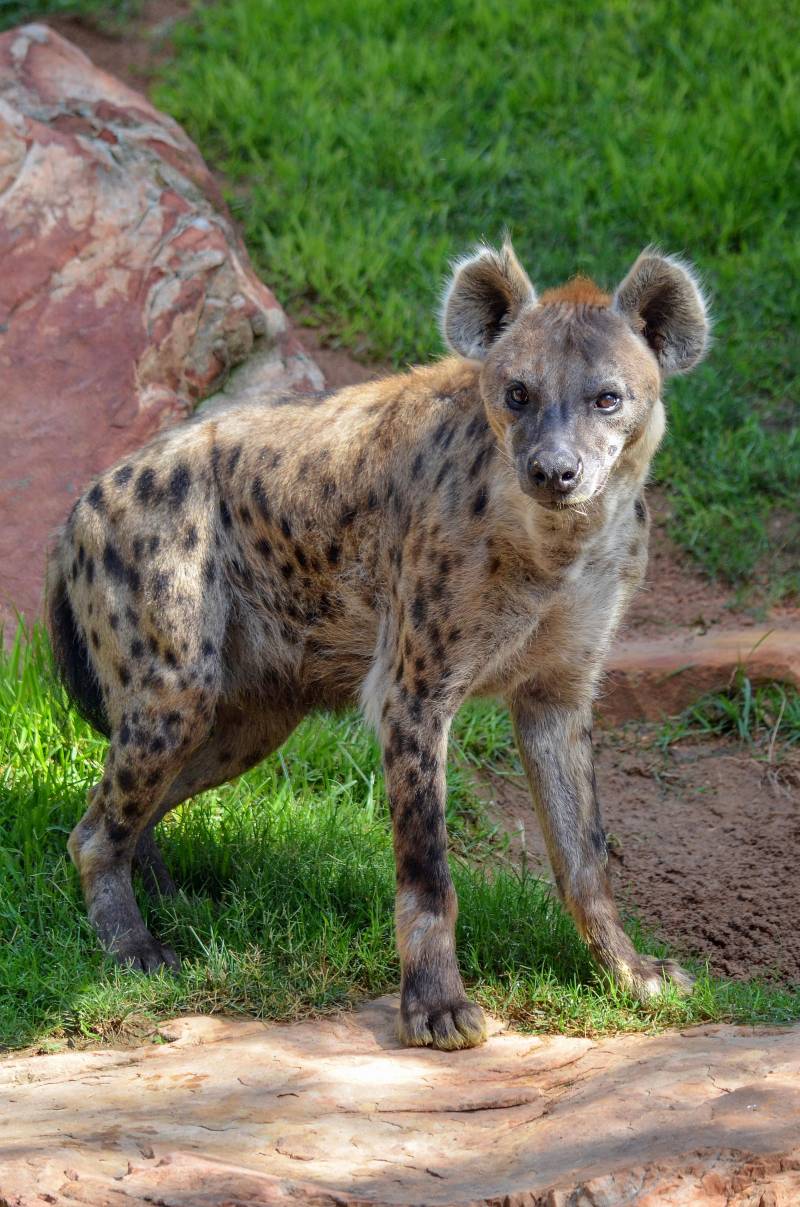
(704, 840)
(132, 51)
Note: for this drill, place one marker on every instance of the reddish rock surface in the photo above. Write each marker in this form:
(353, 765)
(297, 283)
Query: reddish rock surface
(654, 677)
(333, 1112)
(125, 297)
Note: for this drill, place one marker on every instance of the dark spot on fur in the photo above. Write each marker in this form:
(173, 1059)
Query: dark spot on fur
(479, 461)
(124, 734)
(95, 497)
(641, 510)
(117, 832)
(95, 639)
(287, 570)
(233, 457)
(137, 648)
(476, 425)
(191, 538)
(126, 780)
(124, 674)
(146, 486)
(155, 541)
(113, 563)
(123, 475)
(265, 549)
(180, 481)
(245, 515)
(444, 470)
(480, 501)
(224, 514)
(347, 517)
(334, 553)
(300, 556)
(207, 649)
(209, 570)
(159, 584)
(419, 610)
(443, 434)
(286, 527)
(260, 498)
(90, 570)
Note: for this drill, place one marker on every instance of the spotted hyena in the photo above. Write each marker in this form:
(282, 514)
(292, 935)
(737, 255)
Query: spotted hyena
(474, 527)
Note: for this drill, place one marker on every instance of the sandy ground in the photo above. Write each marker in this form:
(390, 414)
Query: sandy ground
(704, 841)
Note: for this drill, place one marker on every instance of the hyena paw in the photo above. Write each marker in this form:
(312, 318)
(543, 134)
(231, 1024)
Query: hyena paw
(652, 977)
(454, 1025)
(145, 955)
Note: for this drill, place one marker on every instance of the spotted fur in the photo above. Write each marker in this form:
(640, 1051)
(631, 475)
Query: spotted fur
(391, 545)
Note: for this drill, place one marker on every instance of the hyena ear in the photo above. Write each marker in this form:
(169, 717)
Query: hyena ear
(483, 297)
(662, 300)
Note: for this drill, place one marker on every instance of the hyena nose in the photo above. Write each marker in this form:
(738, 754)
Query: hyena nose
(555, 470)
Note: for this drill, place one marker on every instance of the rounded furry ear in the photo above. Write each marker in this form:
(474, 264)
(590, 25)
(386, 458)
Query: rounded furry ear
(485, 294)
(662, 299)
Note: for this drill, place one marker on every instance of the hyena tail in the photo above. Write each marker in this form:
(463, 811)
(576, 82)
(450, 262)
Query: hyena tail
(71, 653)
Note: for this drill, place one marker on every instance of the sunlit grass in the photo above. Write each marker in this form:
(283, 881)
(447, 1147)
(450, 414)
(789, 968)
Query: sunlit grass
(367, 143)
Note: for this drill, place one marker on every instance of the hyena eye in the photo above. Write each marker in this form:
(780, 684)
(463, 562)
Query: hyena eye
(516, 395)
(607, 401)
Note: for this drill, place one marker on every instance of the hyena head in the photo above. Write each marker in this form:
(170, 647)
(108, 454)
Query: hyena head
(571, 380)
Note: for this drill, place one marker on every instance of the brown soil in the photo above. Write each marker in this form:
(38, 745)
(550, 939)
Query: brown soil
(704, 841)
(132, 51)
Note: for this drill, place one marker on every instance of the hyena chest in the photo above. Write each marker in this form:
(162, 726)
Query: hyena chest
(550, 628)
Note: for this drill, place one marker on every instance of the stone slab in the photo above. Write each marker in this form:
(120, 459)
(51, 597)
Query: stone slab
(334, 1112)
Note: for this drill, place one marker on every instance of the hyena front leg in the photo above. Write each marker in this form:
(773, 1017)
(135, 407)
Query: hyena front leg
(434, 1009)
(556, 747)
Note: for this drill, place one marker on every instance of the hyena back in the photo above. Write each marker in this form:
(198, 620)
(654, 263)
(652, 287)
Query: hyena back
(474, 527)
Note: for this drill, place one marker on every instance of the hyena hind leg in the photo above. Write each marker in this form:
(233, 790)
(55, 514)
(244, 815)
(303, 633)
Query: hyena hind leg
(237, 742)
(143, 760)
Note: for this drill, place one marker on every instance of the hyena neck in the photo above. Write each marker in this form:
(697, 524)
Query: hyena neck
(553, 541)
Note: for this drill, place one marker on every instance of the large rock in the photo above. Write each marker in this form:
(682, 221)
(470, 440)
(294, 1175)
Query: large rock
(126, 295)
(333, 1112)
(650, 678)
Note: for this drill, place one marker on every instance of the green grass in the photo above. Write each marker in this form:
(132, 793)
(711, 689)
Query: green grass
(287, 879)
(366, 143)
(765, 717)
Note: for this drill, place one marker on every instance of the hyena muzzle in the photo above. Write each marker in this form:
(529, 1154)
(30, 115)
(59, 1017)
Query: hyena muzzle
(474, 527)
